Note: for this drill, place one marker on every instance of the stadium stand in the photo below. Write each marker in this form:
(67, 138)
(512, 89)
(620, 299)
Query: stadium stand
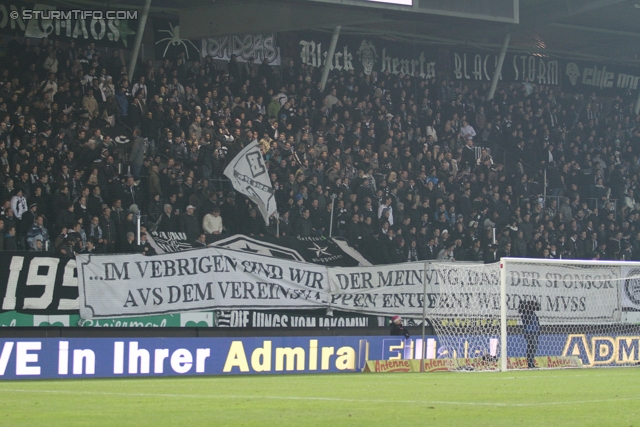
(420, 168)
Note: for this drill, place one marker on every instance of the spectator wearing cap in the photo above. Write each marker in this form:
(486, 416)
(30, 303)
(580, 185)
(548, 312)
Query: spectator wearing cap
(397, 329)
(29, 217)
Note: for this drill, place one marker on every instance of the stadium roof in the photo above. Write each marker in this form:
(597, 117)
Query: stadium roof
(603, 30)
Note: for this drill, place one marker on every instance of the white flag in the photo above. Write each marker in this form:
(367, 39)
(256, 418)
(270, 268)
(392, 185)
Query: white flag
(249, 175)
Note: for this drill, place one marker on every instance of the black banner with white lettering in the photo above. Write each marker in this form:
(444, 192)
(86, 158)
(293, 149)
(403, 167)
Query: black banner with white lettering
(586, 77)
(367, 55)
(459, 64)
(38, 284)
(517, 67)
(114, 28)
(573, 76)
(295, 319)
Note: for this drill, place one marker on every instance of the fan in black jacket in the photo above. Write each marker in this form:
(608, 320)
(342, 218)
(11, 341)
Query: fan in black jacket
(397, 328)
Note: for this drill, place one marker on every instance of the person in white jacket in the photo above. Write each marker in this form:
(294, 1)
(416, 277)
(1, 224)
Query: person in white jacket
(212, 223)
(18, 204)
(467, 131)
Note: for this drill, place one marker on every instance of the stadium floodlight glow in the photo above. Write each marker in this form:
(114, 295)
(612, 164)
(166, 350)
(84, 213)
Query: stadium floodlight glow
(539, 313)
(400, 2)
(490, 10)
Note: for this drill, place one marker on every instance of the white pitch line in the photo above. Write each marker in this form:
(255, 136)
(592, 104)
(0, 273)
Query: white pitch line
(328, 399)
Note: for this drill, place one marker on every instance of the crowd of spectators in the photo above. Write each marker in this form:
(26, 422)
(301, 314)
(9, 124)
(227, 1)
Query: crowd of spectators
(404, 168)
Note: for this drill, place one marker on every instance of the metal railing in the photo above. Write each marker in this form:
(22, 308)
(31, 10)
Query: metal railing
(594, 203)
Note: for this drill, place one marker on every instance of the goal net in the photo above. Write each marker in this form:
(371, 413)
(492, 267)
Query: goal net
(537, 313)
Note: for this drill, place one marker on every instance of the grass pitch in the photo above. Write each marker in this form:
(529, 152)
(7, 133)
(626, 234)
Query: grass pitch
(579, 397)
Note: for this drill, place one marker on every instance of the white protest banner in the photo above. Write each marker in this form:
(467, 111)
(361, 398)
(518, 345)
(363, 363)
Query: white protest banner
(398, 289)
(568, 292)
(249, 175)
(210, 278)
(389, 289)
(216, 278)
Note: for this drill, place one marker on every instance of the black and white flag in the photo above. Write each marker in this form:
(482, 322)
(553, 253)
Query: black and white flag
(168, 242)
(249, 175)
(316, 250)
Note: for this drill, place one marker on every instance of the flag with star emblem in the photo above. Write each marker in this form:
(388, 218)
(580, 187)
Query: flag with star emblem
(333, 252)
(317, 250)
(249, 175)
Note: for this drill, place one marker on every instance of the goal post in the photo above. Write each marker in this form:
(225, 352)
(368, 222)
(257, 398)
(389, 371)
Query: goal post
(503, 317)
(538, 313)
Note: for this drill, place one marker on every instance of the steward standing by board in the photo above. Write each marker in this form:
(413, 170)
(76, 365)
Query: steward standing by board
(530, 328)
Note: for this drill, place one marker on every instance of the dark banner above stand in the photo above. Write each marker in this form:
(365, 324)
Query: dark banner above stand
(113, 28)
(366, 55)
(572, 76)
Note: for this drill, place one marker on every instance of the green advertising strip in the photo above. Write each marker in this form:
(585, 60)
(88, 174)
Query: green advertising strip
(14, 319)
(189, 320)
(206, 319)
